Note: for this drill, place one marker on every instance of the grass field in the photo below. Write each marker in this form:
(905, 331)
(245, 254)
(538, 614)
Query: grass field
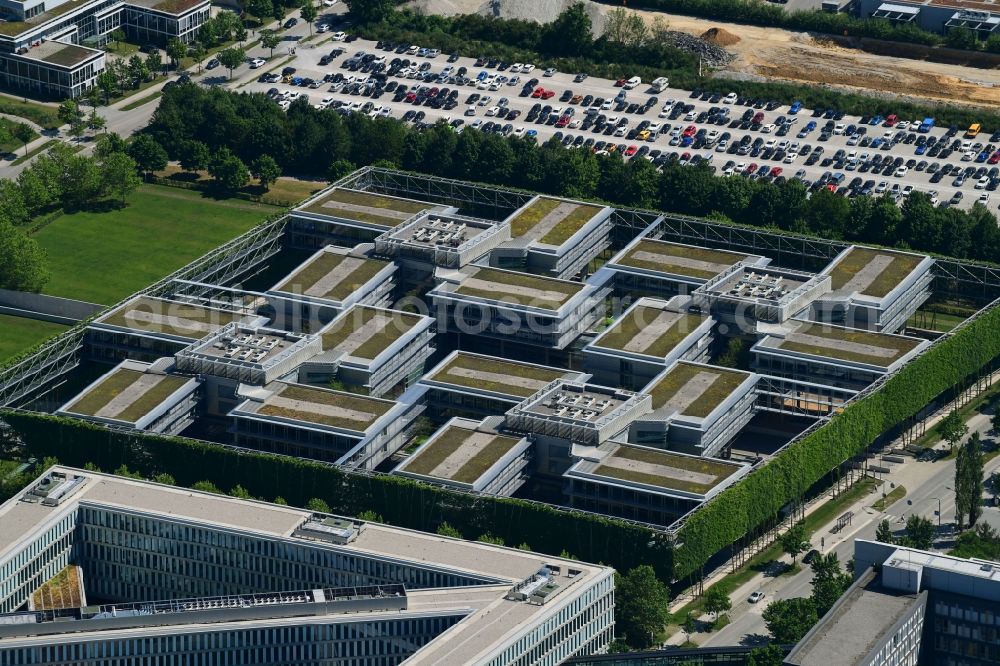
(19, 334)
(102, 257)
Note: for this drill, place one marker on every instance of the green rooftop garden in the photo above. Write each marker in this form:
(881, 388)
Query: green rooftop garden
(357, 317)
(114, 385)
(68, 55)
(899, 345)
(637, 320)
(12, 28)
(355, 403)
(176, 311)
(500, 278)
(529, 218)
(432, 454)
(717, 469)
(859, 257)
(499, 367)
(322, 265)
(721, 257)
(367, 200)
(712, 397)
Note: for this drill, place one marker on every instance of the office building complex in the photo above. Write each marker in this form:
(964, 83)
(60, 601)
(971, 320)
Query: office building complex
(173, 575)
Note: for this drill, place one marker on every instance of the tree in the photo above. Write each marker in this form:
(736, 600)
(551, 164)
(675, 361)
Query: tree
(231, 58)
(445, 529)
(138, 70)
(490, 538)
(309, 14)
(717, 600)
(689, 625)
(962, 38)
(318, 505)
(12, 203)
(96, 122)
(228, 170)
(793, 542)
(240, 492)
(78, 128)
(969, 481)
(23, 133)
(771, 655)
(269, 39)
(149, 155)
(789, 620)
(624, 27)
(176, 49)
(883, 533)
(258, 9)
(22, 261)
(279, 11)
(995, 421)
(107, 83)
(193, 155)
(69, 112)
(338, 170)
(154, 62)
(952, 428)
(240, 33)
(108, 143)
(370, 11)
(280, 501)
(919, 533)
(265, 170)
(207, 487)
(117, 36)
(198, 52)
(119, 175)
(371, 516)
(208, 33)
(164, 478)
(829, 582)
(642, 604)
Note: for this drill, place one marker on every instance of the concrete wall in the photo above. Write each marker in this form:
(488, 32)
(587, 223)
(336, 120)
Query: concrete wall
(46, 308)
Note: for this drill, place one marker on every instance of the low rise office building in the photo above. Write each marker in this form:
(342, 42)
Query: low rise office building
(644, 340)
(434, 239)
(349, 217)
(264, 583)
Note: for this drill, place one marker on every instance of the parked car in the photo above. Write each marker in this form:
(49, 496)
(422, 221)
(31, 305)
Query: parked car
(755, 597)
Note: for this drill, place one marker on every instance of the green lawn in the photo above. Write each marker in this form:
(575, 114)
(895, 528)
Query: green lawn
(103, 257)
(19, 333)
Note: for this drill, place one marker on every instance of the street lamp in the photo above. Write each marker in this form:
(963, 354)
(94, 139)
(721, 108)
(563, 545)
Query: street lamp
(939, 510)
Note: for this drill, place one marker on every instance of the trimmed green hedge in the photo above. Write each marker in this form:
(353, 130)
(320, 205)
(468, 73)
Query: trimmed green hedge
(758, 498)
(403, 502)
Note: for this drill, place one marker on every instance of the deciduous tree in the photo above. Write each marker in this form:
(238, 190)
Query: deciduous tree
(717, 599)
(788, 620)
(919, 533)
(265, 170)
(309, 14)
(22, 261)
(641, 606)
(149, 155)
(231, 58)
(119, 175)
(228, 170)
(793, 542)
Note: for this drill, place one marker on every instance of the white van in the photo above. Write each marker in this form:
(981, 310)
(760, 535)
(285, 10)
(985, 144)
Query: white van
(660, 84)
(634, 82)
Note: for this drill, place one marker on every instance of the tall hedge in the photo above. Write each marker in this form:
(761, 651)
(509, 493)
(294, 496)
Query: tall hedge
(751, 503)
(403, 502)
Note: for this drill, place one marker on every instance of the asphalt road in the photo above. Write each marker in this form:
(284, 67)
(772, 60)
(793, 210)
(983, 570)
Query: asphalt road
(307, 65)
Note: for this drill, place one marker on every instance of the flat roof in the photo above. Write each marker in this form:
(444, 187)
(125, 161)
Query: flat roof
(497, 374)
(337, 409)
(678, 259)
(367, 207)
(252, 345)
(331, 275)
(872, 272)
(551, 221)
(663, 469)
(125, 395)
(364, 331)
(694, 390)
(441, 231)
(168, 6)
(59, 53)
(459, 454)
(518, 288)
(649, 330)
(853, 627)
(759, 283)
(13, 28)
(847, 344)
(970, 5)
(158, 315)
(584, 403)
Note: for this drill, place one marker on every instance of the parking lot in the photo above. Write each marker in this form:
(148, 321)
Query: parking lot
(752, 137)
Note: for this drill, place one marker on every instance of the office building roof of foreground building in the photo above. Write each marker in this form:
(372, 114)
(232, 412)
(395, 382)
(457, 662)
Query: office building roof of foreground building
(500, 597)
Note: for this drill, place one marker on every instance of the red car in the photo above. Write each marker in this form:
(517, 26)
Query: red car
(630, 151)
(619, 83)
(831, 187)
(891, 120)
(411, 97)
(690, 130)
(538, 92)
(548, 94)
(750, 169)
(775, 172)
(994, 158)
(562, 122)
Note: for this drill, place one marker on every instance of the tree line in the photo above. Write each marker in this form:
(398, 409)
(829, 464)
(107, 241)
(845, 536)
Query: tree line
(192, 121)
(58, 179)
(629, 48)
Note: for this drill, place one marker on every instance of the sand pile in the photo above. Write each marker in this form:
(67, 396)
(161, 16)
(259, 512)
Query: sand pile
(720, 37)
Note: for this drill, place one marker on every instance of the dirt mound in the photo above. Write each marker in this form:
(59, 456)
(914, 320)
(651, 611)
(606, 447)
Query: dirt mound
(720, 37)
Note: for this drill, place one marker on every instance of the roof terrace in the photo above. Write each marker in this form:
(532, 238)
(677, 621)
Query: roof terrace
(551, 221)
(694, 390)
(308, 404)
(846, 344)
(368, 207)
(459, 454)
(510, 287)
(496, 374)
(59, 53)
(364, 332)
(125, 394)
(331, 275)
(157, 315)
(661, 469)
(683, 260)
(649, 330)
(871, 272)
